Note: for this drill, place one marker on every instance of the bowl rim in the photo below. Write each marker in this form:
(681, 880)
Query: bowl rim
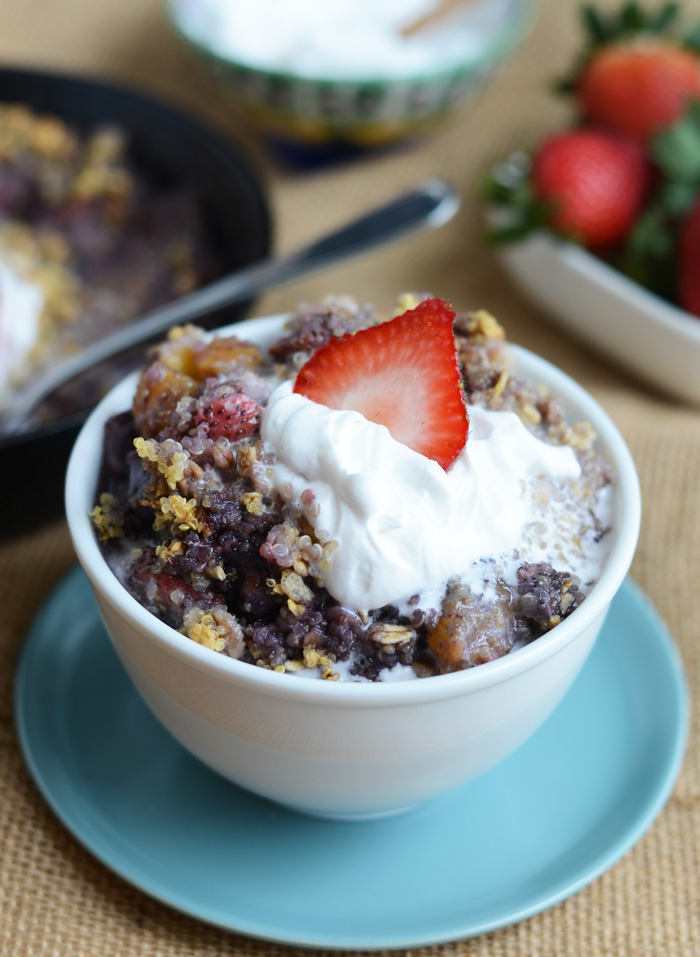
(585, 263)
(225, 148)
(516, 25)
(81, 476)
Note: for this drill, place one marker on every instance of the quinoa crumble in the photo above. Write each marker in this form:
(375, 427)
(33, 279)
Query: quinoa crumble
(192, 527)
(83, 225)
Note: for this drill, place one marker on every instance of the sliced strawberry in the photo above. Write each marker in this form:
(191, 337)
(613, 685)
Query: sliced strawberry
(168, 583)
(233, 416)
(168, 587)
(403, 374)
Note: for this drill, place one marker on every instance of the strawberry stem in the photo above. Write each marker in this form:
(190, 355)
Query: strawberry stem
(650, 251)
(631, 20)
(676, 150)
(518, 211)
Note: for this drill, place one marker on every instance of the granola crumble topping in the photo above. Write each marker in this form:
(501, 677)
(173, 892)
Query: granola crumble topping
(237, 567)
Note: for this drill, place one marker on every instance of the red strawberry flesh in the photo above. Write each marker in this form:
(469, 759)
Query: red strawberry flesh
(233, 416)
(403, 374)
(689, 262)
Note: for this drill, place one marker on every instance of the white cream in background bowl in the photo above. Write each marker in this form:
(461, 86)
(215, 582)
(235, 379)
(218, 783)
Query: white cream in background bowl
(344, 749)
(323, 72)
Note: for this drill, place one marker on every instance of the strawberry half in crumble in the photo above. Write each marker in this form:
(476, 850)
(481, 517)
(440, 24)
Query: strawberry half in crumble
(378, 498)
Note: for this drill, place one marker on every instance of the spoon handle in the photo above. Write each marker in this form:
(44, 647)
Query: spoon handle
(431, 203)
(433, 16)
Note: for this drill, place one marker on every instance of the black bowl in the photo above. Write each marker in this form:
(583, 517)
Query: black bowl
(170, 149)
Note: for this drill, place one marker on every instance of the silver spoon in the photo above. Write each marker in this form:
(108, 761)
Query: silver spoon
(431, 203)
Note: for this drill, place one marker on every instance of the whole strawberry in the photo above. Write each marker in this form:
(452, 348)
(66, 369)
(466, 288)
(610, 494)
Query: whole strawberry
(639, 89)
(594, 184)
(688, 263)
(637, 77)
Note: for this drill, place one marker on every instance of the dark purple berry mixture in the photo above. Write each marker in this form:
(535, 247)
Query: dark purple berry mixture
(100, 242)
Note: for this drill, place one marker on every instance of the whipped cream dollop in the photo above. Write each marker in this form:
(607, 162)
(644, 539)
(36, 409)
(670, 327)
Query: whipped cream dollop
(21, 304)
(403, 524)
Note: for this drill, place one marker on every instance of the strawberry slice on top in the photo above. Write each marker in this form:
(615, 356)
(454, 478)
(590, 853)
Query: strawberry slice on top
(403, 374)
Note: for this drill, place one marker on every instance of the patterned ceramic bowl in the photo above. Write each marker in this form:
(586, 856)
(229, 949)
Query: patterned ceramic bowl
(364, 110)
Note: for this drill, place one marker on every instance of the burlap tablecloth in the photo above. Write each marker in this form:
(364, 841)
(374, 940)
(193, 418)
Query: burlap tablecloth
(55, 898)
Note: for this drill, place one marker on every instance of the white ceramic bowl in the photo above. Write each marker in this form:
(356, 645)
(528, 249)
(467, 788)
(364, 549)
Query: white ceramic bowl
(651, 338)
(349, 749)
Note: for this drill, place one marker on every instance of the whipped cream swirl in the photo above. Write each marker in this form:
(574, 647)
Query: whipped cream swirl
(21, 305)
(403, 524)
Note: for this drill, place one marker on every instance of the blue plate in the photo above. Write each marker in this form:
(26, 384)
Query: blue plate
(525, 835)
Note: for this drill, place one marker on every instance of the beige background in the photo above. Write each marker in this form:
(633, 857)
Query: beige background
(54, 897)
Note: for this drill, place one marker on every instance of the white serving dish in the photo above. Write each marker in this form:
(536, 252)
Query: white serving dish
(651, 338)
(349, 749)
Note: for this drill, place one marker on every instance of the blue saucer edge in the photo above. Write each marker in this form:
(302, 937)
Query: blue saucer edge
(79, 786)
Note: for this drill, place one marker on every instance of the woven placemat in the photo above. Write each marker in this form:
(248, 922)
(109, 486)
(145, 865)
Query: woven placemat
(55, 898)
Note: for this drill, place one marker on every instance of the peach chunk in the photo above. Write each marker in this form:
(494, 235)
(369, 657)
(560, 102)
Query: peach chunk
(219, 355)
(157, 394)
